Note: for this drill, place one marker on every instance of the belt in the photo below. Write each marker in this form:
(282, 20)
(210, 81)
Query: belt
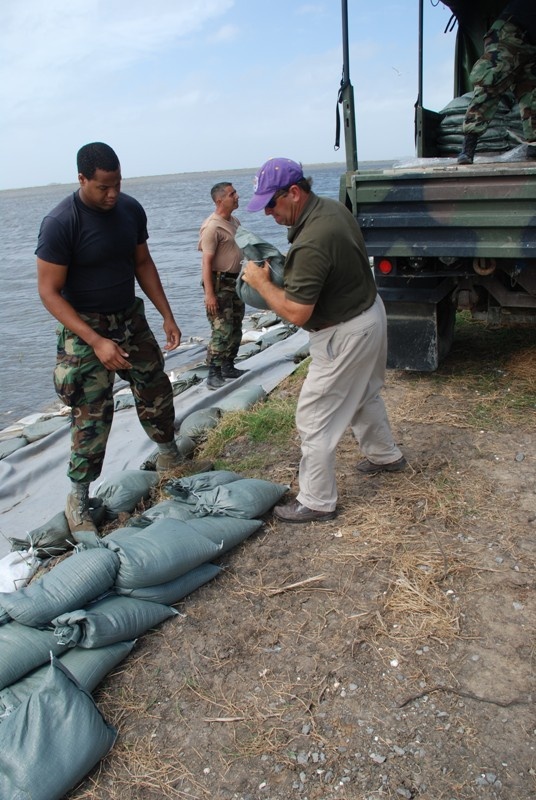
(226, 276)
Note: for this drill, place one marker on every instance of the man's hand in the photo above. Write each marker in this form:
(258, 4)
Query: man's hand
(257, 275)
(211, 302)
(111, 355)
(173, 334)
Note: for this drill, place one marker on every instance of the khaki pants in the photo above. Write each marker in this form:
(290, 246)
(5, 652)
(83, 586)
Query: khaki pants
(342, 389)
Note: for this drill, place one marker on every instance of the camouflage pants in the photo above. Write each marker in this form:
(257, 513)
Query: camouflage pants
(226, 325)
(83, 383)
(508, 64)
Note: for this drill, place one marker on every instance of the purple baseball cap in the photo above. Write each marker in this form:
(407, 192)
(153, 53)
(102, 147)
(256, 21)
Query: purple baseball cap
(275, 174)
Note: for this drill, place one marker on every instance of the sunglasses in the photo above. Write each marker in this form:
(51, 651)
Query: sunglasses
(275, 198)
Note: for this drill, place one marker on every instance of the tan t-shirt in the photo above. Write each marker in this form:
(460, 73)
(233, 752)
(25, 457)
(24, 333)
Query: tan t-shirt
(217, 238)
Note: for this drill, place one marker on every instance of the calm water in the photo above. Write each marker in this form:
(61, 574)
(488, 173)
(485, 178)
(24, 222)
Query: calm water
(175, 206)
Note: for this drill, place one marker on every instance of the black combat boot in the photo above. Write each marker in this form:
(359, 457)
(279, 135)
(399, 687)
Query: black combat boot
(230, 372)
(215, 379)
(468, 150)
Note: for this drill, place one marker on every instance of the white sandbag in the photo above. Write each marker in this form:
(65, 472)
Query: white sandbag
(187, 488)
(243, 398)
(22, 649)
(165, 550)
(123, 491)
(16, 569)
(173, 591)
(248, 498)
(112, 619)
(88, 667)
(52, 740)
(70, 584)
(227, 531)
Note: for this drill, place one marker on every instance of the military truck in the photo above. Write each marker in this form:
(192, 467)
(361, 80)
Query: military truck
(442, 236)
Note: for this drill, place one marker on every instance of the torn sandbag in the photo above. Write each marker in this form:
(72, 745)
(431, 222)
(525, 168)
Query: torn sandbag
(52, 740)
(70, 584)
(88, 667)
(123, 491)
(158, 554)
(248, 498)
(22, 649)
(171, 592)
(109, 620)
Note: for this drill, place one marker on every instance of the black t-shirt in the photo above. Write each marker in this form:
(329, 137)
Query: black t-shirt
(98, 247)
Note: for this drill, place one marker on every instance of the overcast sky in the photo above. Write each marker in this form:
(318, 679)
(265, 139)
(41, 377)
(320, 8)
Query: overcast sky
(194, 85)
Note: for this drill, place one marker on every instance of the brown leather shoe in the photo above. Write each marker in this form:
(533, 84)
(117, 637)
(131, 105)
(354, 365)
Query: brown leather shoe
(295, 512)
(368, 468)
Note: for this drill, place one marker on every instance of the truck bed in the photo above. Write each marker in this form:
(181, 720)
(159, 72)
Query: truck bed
(435, 207)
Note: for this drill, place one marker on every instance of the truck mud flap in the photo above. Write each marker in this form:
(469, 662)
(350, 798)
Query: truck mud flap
(419, 334)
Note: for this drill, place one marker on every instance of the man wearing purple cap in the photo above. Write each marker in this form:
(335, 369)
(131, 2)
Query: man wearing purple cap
(329, 290)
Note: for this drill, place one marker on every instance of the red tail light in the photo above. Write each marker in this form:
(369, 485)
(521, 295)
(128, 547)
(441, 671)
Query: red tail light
(385, 266)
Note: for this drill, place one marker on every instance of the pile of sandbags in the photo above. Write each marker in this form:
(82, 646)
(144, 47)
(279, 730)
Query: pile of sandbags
(496, 138)
(84, 615)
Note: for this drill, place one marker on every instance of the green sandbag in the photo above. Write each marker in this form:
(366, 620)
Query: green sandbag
(70, 584)
(22, 649)
(50, 539)
(41, 428)
(243, 398)
(112, 619)
(248, 498)
(227, 531)
(88, 667)
(277, 335)
(123, 491)
(173, 591)
(186, 489)
(198, 422)
(52, 740)
(165, 550)
(256, 249)
(9, 446)
(173, 509)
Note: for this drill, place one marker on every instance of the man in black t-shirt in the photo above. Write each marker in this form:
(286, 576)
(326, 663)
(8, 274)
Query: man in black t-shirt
(91, 251)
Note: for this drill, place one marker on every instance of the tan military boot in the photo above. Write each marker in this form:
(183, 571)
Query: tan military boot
(78, 515)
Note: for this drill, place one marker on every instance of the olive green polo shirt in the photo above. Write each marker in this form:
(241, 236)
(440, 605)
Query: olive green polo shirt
(327, 264)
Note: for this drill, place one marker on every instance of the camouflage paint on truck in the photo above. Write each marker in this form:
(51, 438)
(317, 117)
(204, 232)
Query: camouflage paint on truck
(443, 236)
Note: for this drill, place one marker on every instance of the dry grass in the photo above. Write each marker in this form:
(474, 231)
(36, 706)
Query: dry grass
(399, 537)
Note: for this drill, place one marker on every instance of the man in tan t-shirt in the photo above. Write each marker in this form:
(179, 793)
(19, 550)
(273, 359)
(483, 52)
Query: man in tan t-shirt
(220, 268)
